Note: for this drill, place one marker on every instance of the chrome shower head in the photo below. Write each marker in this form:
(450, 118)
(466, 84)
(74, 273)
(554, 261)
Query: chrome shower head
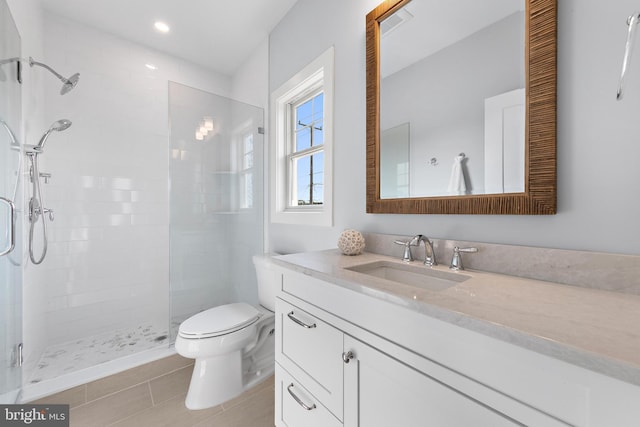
(60, 125)
(57, 126)
(67, 84)
(70, 83)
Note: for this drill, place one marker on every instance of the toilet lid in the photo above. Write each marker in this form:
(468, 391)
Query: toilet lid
(219, 320)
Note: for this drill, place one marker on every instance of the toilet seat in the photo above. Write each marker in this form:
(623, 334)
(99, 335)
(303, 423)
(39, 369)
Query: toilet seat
(220, 320)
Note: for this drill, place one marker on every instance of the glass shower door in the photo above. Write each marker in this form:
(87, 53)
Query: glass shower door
(10, 200)
(216, 200)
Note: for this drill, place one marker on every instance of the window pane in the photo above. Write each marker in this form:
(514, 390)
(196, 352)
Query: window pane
(303, 138)
(318, 134)
(309, 123)
(247, 152)
(318, 104)
(247, 161)
(304, 114)
(308, 188)
(318, 178)
(246, 186)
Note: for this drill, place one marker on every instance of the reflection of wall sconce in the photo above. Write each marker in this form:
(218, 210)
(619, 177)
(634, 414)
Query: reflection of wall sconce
(433, 161)
(204, 128)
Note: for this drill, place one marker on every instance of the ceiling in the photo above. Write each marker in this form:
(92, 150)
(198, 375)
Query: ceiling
(217, 34)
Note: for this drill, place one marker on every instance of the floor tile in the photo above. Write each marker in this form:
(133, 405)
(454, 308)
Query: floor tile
(112, 408)
(171, 413)
(134, 376)
(167, 386)
(256, 411)
(73, 397)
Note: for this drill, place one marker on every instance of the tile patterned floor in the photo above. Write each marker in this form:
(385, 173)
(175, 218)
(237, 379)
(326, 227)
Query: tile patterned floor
(83, 353)
(152, 395)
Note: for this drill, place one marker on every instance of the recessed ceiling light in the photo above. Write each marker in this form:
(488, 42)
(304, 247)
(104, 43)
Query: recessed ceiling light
(151, 66)
(161, 26)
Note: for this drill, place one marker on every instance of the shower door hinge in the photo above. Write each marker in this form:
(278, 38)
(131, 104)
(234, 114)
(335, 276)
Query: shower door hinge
(261, 130)
(19, 358)
(19, 71)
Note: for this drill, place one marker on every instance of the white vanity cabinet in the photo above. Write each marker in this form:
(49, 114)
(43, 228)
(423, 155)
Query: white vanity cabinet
(347, 358)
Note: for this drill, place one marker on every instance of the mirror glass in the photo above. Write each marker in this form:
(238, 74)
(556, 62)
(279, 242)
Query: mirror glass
(461, 107)
(452, 98)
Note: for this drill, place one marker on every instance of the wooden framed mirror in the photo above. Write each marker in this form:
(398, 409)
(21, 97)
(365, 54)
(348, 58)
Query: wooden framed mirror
(534, 193)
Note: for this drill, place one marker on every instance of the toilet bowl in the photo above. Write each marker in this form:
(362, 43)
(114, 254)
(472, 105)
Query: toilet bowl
(233, 345)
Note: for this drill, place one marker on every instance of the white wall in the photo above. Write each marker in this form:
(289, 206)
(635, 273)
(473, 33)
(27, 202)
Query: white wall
(598, 149)
(108, 260)
(250, 82)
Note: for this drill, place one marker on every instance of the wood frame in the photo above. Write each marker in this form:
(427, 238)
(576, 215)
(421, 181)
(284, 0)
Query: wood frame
(539, 197)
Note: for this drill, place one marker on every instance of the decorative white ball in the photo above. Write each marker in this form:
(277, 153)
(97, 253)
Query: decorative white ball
(351, 242)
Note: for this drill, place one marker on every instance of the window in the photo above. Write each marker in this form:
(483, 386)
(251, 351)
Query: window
(306, 157)
(246, 172)
(302, 149)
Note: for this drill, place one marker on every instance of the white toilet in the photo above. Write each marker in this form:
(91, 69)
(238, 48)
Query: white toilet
(233, 344)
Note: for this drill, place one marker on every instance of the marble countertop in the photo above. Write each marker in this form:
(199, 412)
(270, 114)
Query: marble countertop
(595, 329)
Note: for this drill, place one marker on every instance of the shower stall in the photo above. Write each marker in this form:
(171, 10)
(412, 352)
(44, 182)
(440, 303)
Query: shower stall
(215, 225)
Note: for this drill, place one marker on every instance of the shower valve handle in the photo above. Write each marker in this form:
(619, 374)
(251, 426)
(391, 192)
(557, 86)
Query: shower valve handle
(50, 212)
(46, 176)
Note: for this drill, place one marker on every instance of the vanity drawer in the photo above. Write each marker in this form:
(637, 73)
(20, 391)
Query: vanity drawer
(297, 406)
(311, 350)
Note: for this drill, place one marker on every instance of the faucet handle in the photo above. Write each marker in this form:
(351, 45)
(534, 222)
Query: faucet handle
(456, 259)
(407, 256)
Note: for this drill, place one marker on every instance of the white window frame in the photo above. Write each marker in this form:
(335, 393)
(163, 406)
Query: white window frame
(318, 74)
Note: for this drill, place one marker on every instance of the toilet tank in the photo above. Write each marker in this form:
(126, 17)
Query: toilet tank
(268, 281)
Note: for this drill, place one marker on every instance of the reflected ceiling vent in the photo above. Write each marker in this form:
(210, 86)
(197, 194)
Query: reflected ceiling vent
(394, 21)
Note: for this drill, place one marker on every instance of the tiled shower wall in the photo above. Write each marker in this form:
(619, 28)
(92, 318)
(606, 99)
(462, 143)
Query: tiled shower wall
(108, 259)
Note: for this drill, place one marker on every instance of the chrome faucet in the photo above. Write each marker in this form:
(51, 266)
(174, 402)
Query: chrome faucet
(407, 256)
(429, 253)
(456, 259)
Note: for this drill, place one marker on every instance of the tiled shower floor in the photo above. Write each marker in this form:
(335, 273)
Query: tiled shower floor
(72, 356)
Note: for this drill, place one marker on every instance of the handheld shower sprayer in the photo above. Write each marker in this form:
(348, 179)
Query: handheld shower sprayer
(57, 126)
(67, 84)
(37, 209)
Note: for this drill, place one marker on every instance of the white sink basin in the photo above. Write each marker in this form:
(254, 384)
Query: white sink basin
(416, 275)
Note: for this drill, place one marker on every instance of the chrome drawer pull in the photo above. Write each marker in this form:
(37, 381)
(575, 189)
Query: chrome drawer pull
(297, 399)
(299, 322)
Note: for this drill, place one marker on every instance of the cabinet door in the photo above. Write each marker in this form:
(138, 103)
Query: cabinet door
(311, 350)
(380, 391)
